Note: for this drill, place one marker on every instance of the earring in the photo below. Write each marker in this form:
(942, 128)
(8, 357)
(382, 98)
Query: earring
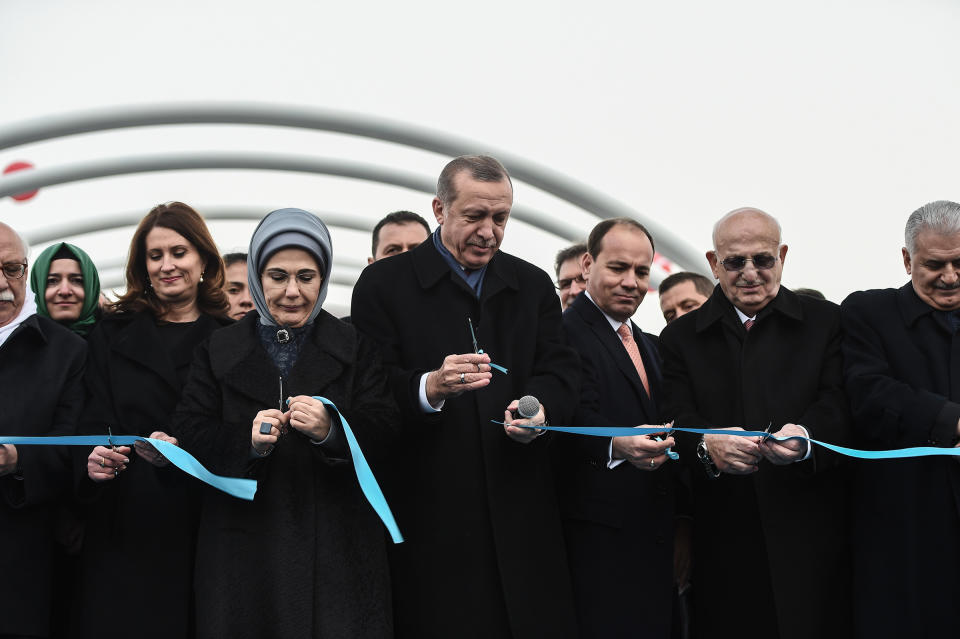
(201, 278)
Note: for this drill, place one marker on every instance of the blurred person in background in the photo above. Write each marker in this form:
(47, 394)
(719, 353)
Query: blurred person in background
(397, 233)
(683, 292)
(238, 293)
(569, 270)
(141, 514)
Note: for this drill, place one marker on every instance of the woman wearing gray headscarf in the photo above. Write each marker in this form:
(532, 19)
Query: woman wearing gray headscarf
(305, 558)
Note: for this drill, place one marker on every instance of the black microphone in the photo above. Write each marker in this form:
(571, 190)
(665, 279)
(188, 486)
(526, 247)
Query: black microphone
(527, 408)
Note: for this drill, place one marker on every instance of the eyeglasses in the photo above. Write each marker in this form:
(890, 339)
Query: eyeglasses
(761, 261)
(277, 278)
(14, 270)
(565, 283)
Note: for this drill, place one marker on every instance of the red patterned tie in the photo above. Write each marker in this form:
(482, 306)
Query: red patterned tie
(626, 336)
(748, 325)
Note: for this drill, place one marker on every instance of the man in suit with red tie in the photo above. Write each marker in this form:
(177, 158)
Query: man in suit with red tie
(616, 494)
(770, 551)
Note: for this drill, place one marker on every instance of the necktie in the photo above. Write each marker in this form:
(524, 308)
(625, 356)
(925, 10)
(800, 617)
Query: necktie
(748, 325)
(626, 336)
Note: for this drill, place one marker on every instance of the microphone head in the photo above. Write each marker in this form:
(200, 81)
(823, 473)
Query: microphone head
(528, 406)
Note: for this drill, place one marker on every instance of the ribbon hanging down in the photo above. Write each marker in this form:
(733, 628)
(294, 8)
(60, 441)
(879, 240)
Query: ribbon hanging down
(235, 486)
(368, 483)
(627, 431)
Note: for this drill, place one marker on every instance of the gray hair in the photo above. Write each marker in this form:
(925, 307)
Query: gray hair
(745, 209)
(23, 243)
(941, 217)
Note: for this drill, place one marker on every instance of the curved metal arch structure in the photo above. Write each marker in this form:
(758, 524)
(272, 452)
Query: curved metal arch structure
(561, 186)
(29, 180)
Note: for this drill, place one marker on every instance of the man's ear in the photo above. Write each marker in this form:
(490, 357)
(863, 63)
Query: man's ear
(438, 210)
(714, 262)
(906, 260)
(586, 263)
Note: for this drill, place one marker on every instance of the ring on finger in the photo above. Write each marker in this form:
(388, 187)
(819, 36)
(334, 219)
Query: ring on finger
(102, 462)
(653, 464)
(462, 380)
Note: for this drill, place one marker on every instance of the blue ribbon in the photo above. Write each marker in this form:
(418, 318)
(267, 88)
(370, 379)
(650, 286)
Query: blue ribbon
(368, 483)
(236, 486)
(626, 431)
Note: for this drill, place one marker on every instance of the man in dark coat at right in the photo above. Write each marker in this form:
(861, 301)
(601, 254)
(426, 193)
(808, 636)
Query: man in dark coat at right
(769, 554)
(901, 351)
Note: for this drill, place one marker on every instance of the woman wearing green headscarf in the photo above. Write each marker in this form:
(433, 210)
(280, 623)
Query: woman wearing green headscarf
(67, 287)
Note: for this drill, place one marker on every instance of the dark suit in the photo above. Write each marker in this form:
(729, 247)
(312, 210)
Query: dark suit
(902, 369)
(618, 522)
(769, 548)
(484, 555)
(41, 374)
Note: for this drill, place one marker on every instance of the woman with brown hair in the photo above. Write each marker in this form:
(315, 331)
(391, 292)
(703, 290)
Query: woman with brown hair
(142, 513)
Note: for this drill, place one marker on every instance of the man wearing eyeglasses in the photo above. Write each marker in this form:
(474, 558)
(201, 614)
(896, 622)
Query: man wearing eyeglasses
(569, 269)
(901, 350)
(41, 374)
(769, 540)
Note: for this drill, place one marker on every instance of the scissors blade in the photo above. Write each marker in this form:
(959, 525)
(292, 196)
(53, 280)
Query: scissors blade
(473, 336)
(110, 437)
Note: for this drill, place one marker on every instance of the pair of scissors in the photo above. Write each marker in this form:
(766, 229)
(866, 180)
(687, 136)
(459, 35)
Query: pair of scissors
(669, 452)
(478, 350)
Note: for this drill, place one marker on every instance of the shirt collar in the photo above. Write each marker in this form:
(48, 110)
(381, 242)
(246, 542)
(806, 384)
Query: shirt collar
(614, 324)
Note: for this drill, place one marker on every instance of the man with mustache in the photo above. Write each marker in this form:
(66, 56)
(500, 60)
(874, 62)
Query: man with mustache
(769, 551)
(484, 554)
(41, 374)
(901, 352)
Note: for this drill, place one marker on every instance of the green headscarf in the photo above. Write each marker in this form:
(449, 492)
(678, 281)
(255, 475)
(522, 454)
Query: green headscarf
(91, 285)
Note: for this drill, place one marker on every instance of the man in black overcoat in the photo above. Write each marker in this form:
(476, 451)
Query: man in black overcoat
(616, 495)
(769, 537)
(41, 374)
(902, 369)
(484, 554)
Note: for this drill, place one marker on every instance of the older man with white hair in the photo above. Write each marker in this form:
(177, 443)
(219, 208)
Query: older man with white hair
(41, 374)
(770, 556)
(902, 368)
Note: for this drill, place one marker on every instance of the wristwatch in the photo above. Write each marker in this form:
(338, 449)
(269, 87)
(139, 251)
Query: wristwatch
(708, 466)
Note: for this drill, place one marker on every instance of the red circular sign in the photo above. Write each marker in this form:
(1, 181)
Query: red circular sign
(20, 166)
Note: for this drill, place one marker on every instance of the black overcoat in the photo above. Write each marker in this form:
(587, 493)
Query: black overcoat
(41, 377)
(902, 369)
(306, 558)
(484, 554)
(771, 545)
(141, 526)
(618, 522)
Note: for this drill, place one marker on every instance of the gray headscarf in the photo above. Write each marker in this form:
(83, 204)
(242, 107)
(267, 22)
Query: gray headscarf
(288, 228)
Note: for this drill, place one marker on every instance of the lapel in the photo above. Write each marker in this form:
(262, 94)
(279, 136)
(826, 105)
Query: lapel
(243, 364)
(612, 343)
(140, 343)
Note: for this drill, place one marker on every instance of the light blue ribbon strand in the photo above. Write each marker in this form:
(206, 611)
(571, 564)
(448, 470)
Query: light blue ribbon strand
(368, 483)
(626, 431)
(236, 486)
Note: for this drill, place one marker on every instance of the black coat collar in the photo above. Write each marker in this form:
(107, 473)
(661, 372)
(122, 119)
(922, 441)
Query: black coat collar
(911, 306)
(241, 361)
(431, 268)
(718, 308)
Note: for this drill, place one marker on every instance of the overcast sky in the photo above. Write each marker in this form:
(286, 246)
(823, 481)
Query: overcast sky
(839, 118)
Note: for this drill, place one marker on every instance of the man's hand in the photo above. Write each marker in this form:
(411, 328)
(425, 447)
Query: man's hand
(733, 454)
(518, 434)
(310, 416)
(642, 451)
(150, 453)
(783, 453)
(457, 374)
(8, 459)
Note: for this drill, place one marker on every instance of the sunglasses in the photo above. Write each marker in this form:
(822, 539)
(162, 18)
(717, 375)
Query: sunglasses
(761, 261)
